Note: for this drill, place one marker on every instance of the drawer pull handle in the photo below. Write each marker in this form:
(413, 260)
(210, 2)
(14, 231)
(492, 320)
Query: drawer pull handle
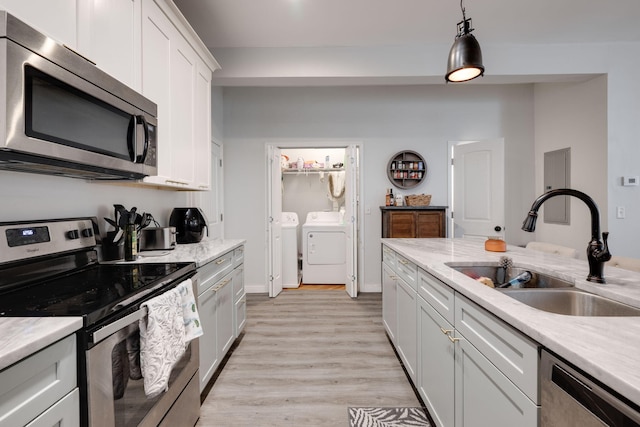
(403, 262)
(220, 261)
(393, 277)
(446, 331)
(452, 339)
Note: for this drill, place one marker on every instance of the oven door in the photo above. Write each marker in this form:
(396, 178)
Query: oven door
(115, 390)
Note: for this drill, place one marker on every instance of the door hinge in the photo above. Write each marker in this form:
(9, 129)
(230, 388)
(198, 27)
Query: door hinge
(221, 217)
(451, 162)
(220, 162)
(451, 214)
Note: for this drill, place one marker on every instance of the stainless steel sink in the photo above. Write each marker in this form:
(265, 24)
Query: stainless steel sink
(572, 302)
(495, 273)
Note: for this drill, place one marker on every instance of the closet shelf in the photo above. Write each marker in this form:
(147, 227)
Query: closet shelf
(309, 171)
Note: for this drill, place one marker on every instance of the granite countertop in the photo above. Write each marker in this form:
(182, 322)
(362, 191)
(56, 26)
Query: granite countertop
(201, 253)
(23, 336)
(606, 348)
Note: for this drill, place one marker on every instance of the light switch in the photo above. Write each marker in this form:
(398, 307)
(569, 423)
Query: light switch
(620, 213)
(630, 180)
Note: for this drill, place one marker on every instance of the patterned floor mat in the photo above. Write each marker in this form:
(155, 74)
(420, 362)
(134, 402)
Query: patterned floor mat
(387, 417)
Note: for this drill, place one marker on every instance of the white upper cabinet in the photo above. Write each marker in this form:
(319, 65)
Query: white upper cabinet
(109, 35)
(54, 18)
(202, 126)
(177, 77)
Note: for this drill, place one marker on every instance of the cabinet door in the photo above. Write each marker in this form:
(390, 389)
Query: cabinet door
(430, 224)
(209, 340)
(57, 19)
(436, 366)
(116, 52)
(484, 396)
(202, 126)
(407, 334)
(389, 301)
(157, 31)
(402, 224)
(224, 314)
(182, 83)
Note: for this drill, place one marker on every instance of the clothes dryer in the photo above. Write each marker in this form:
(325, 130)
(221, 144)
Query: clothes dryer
(324, 248)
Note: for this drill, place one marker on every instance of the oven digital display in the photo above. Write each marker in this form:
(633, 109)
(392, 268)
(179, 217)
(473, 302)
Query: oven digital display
(27, 236)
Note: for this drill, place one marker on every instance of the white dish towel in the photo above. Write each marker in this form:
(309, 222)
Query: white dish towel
(162, 341)
(192, 326)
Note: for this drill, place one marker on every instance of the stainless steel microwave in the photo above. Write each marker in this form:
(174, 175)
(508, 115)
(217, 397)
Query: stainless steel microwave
(62, 115)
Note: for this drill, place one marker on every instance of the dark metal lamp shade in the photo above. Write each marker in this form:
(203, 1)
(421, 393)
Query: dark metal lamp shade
(465, 59)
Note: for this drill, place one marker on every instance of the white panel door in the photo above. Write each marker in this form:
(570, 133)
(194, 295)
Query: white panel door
(351, 220)
(478, 188)
(274, 225)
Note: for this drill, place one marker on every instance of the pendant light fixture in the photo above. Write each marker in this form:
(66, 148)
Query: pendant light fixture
(465, 57)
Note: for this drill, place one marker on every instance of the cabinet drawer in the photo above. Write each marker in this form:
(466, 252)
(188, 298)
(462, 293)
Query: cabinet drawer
(388, 257)
(238, 256)
(65, 412)
(436, 293)
(408, 271)
(32, 385)
(514, 354)
(212, 271)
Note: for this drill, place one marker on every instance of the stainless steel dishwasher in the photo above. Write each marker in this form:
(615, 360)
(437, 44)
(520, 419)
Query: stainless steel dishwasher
(570, 398)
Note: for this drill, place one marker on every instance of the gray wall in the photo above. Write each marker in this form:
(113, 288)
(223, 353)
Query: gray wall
(385, 120)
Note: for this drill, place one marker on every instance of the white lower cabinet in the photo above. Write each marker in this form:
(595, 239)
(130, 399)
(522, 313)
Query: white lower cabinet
(484, 396)
(389, 301)
(224, 314)
(222, 310)
(41, 390)
(471, 368)
(436, 366)
(407, 334)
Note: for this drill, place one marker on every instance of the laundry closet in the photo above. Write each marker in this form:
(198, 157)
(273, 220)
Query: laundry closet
(314, 248)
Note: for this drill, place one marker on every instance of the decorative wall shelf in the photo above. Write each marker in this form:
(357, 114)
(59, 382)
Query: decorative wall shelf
(406, 169)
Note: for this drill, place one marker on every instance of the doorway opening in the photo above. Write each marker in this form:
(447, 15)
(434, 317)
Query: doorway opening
(312, 192)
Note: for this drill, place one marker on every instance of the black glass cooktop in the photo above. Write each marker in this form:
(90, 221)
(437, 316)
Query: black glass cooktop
(95, 292)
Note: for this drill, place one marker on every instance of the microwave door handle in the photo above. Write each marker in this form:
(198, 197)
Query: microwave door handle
(131, 138)
(145, 126)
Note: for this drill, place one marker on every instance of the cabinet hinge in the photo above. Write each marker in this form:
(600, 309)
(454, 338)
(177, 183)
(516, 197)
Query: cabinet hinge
(451, 214)
(451, 162)
(220, 162)
(221, 217)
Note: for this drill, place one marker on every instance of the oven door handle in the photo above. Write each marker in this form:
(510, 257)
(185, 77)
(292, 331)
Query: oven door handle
(114, 327)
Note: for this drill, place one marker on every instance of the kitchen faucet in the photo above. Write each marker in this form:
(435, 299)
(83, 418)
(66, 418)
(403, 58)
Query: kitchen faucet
(597, 251)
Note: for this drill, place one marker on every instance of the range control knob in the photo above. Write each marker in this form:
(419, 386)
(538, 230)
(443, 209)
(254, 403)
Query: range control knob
(73, 234)
(87, 232)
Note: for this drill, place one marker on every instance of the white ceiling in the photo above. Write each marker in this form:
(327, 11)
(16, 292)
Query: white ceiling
(328, 23)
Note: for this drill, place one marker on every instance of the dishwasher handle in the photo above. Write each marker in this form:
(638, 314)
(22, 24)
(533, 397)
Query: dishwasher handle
(604, 404)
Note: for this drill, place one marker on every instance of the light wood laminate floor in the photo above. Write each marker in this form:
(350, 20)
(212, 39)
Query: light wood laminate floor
(306, 357)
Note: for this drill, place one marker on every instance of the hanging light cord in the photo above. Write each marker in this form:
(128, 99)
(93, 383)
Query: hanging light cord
(464, 26)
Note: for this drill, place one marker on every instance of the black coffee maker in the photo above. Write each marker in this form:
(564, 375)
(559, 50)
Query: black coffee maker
(189, 223)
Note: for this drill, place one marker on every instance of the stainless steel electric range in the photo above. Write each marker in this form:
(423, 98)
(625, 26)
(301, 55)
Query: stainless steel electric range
(51, 268)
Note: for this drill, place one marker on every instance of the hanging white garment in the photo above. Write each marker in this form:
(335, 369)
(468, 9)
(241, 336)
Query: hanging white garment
(336, 185)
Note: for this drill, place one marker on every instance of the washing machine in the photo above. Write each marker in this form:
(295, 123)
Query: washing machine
(324, 248)
(290, 276)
